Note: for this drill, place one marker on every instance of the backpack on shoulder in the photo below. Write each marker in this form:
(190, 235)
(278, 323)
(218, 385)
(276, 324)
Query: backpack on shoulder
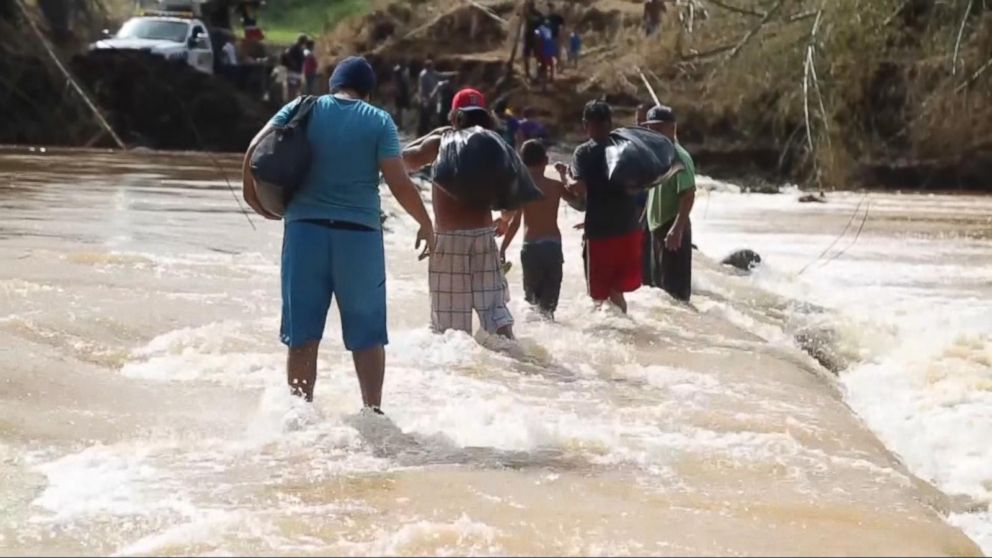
(281, 161)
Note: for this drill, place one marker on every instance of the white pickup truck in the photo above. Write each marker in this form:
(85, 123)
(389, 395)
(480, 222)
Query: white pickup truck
(174, 38)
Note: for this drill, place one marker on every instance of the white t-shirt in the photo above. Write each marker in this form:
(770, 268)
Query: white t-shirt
(230, 54)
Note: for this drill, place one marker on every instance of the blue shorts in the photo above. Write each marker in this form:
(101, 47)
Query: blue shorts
(318, 262)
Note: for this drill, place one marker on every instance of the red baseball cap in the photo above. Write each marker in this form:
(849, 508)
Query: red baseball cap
(468, 99)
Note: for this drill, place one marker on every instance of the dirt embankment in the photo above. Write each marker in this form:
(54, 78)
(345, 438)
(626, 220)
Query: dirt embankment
(147, 100)
(836, 94)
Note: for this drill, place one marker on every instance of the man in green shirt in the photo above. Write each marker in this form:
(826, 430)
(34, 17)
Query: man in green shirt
(668, 208)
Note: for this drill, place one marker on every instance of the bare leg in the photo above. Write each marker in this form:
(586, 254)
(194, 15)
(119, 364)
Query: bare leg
(505, 331)
(618, 299)
(301, 369)
(370, 365)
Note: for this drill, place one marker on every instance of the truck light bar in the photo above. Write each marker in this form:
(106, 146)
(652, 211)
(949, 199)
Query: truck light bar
(166, 13)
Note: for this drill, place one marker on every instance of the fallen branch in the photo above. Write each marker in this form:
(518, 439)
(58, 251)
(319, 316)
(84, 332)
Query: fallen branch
(816, 80)
(737, 9)
(895, 13)
(647, 84)
(808, 71)
(802, 16)
(754, 31)
(68, 75)
(974, 77)
(492, 15)
(706, 53)
(957, 43)
(508, 71)
(415, 31)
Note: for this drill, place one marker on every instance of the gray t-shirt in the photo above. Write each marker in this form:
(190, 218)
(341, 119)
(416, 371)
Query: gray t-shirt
(428, 82)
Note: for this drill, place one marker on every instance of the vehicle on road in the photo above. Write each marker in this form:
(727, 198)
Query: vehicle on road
(174, 38)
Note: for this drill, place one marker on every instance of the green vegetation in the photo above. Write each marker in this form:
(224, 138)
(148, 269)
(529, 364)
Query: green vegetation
(284, 20)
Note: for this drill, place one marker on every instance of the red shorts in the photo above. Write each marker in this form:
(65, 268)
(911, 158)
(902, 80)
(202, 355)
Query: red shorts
(614, 264)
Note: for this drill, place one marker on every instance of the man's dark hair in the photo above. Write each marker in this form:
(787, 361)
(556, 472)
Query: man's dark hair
(469, 118)
(597, 111)
(533, 153)
(501, 106)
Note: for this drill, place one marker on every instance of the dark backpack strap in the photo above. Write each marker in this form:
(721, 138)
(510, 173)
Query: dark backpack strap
(301, 113)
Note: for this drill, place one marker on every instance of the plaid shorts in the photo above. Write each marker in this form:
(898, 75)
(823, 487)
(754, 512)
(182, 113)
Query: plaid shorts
(465, 275)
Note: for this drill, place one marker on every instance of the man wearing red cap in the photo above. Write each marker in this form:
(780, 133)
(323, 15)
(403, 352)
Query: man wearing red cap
(465, 270)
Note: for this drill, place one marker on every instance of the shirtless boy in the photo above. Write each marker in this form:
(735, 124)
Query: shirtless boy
(541, 256)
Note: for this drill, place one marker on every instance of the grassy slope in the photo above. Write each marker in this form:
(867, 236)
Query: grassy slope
(283, 20)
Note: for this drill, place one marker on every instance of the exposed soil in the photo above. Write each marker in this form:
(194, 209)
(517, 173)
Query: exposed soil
(884, 129)
(148, 101)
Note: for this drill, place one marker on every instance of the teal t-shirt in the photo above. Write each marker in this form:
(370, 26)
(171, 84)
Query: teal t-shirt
(349, 139)
(664, 199)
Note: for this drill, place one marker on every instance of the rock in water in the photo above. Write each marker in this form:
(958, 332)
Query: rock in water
(813, 198)
(822, 344)
(744, 260)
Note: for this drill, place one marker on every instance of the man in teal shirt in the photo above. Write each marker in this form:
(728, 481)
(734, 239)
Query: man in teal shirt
(333, 243)
(668, 208)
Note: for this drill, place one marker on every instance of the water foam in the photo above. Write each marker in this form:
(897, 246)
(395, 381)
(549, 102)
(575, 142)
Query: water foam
(918, 330)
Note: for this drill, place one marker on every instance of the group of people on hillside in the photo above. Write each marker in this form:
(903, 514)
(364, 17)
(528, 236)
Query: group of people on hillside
(299, 64)
(434, 91)
(333, 244)
(544, 37)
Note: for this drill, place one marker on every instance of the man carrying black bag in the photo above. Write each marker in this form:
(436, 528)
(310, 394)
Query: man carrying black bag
(612, 224)
(465, 270)
(333, 235)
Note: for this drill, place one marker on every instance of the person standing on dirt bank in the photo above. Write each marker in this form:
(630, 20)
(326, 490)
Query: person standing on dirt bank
(612, 224)
(556, 22)
(533, 19)
(444, 94)
(310, 67)
(293, 59)
(465, 269)
(426, 84)
(653, 10)
(401, 92)
(668, 209)
(332, 245)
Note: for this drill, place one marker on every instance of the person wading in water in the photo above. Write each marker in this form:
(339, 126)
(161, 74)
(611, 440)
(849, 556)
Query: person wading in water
(612, 225)
(465, 270)
(668, 208)
(332, 244)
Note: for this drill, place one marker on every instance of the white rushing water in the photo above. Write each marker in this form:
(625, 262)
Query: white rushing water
(912, 301)
(143, 407)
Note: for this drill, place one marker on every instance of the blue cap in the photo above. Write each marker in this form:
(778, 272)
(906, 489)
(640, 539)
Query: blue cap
(353, 73)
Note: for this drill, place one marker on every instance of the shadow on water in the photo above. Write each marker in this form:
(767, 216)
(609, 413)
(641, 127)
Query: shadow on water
(387, 441)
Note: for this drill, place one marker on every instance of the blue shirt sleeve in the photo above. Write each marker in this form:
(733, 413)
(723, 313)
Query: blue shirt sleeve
(389, 140)
(282, 117)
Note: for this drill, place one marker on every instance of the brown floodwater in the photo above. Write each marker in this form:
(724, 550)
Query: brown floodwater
(143, 411)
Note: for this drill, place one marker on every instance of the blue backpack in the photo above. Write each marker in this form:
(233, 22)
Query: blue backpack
(281, 161)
